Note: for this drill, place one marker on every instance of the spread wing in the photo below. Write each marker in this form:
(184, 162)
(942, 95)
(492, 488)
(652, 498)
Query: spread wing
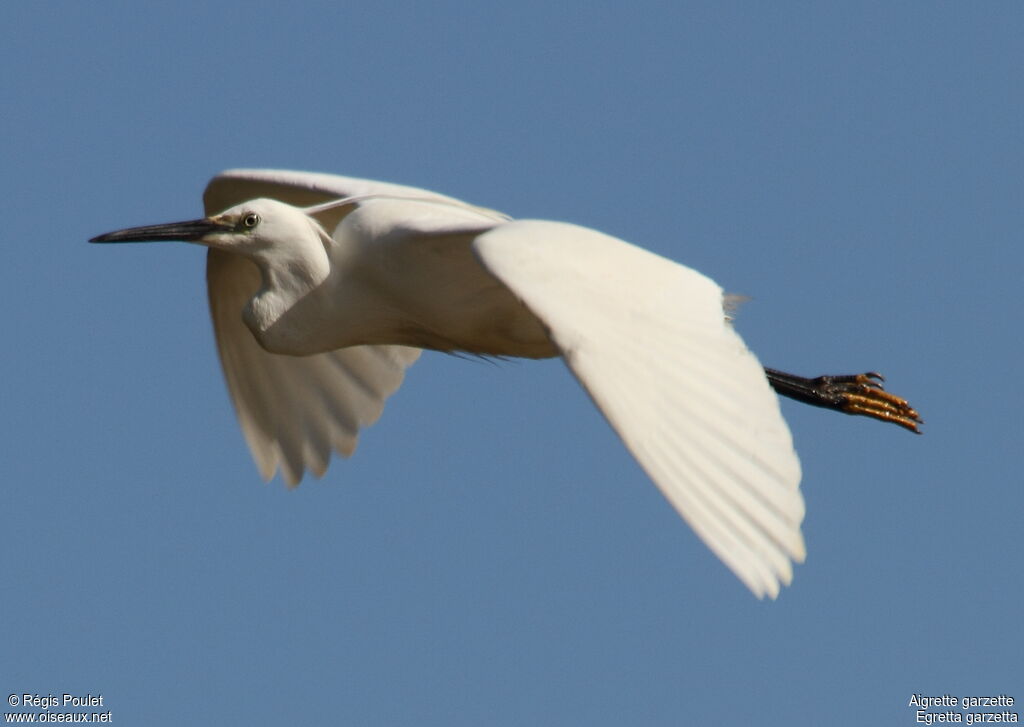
(647, 338)
(294, 411)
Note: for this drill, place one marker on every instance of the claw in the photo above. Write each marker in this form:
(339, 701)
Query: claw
(872, 379)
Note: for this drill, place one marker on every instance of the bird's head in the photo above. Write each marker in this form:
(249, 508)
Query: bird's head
(258, 228)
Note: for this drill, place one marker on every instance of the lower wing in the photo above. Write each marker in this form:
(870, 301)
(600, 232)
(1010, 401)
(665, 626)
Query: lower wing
(295, 410)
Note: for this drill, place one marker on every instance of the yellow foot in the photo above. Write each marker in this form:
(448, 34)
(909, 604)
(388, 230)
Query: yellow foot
(858, 394)
(863, 394)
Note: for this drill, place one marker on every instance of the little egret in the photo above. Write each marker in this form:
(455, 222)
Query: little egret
(323, 289)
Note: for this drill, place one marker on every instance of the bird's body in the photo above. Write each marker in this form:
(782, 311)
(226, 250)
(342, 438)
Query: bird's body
(379, 280)
(323, 289)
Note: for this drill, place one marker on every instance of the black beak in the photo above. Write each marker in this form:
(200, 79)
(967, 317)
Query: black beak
(191, 231)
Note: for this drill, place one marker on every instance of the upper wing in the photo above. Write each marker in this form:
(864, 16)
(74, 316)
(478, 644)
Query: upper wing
(647, 338)
(300, 189)
(293, 410)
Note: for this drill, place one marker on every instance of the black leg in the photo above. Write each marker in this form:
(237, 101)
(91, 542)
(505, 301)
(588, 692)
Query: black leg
(860, 394)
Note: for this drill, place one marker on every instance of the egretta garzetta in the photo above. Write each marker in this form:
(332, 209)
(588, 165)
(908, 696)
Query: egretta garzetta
(323, 289)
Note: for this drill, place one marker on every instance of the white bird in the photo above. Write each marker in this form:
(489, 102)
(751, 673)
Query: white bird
(323, 289)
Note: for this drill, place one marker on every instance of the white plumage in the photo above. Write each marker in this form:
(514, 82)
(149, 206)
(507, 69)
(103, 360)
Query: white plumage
(323, 289)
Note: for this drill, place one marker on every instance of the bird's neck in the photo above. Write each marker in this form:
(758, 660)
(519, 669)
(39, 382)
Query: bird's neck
(286, 281)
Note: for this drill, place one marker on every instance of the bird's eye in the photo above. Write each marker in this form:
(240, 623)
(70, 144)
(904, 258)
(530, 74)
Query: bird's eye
(250, 220)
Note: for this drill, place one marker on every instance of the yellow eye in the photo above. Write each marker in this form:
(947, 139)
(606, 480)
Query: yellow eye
(250, 220)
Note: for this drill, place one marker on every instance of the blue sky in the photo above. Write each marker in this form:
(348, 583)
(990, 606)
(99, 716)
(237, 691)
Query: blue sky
(492, 555)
